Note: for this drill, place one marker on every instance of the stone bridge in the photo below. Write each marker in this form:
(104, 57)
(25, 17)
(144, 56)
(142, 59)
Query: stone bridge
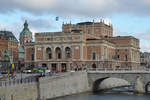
(69, 83)
(95, 77)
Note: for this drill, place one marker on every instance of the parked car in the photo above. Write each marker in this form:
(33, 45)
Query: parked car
(27, 71)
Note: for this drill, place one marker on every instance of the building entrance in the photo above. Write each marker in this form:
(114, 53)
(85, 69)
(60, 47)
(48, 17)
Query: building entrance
(44, 65)
(64, 67)
(94, 66)
(54, 67)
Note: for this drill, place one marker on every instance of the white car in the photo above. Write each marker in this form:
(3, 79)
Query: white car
(27, 71)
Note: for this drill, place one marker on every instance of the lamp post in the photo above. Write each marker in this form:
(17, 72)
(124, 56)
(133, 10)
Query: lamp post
(20, 69)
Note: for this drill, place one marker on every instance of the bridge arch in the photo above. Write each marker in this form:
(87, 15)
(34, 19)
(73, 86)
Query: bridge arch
(97, 83)
(109, 83)
(146, 87)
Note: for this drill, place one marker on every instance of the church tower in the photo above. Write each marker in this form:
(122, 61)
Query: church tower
(25, 35)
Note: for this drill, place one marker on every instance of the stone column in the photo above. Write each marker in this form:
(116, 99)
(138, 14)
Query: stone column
(44, 54)
(139, 85)
(68, 66)
(53, 53)
(63, 52)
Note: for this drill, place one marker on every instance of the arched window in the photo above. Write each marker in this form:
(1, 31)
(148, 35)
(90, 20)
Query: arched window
(58, 53)
(49, 53)
(68, 52)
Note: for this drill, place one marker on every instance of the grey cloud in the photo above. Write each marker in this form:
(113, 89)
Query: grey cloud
(77, 7)
(40, 23)
(35, 25)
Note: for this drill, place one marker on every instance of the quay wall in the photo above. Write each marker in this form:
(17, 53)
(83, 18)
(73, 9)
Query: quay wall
(26, 91)
(47, 87)
(67, 84)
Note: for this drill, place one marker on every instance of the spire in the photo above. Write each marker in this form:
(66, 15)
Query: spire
(25, 24)
(26, 30)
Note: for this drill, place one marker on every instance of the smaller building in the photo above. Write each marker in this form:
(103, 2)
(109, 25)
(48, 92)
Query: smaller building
(145, 59)
(8, 48)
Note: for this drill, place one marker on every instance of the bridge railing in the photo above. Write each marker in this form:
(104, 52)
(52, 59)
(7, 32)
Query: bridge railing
(17, 81)
(117, 70)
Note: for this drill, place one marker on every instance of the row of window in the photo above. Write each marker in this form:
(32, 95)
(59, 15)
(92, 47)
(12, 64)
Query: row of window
(58, 53)
(115, 57)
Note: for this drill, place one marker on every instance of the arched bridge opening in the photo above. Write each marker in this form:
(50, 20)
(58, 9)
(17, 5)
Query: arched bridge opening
(111, 83)
(97, 83)
(147, 87)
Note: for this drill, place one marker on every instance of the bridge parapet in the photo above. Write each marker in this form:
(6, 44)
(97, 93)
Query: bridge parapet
(106, 70)
(95, 75)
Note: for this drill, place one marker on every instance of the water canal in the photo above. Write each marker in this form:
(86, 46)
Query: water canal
(106, 96)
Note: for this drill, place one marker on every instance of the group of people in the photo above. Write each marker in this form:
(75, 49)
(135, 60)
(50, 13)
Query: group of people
(79, 68)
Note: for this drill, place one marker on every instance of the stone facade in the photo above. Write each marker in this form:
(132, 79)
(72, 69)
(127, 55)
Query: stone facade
(90, 43)
(97, 28)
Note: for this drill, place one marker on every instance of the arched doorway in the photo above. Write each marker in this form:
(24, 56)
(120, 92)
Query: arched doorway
(64, 67)
(54, 67)
(94, 66)
(44, 65)
(58, 53)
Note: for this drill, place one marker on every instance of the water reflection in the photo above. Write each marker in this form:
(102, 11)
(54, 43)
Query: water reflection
(114, 96)
(119, 89)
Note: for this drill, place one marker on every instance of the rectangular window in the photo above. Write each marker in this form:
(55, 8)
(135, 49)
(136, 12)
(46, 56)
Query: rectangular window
(94, 56)
(118, 56)
(126, 57)
(32, 57)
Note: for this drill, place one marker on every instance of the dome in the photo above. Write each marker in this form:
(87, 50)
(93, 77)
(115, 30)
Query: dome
(113, 83)
(26, 30)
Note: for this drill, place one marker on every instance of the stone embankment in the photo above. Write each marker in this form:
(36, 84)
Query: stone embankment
(46, 88)
(66, 84)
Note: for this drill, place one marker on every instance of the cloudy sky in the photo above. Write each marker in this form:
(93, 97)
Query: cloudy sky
(129, 17)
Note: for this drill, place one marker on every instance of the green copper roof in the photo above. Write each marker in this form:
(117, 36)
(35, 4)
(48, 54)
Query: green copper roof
(8, 36)
(25, 30)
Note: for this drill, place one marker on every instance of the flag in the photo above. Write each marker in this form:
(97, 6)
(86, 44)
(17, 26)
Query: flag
(13, 66)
